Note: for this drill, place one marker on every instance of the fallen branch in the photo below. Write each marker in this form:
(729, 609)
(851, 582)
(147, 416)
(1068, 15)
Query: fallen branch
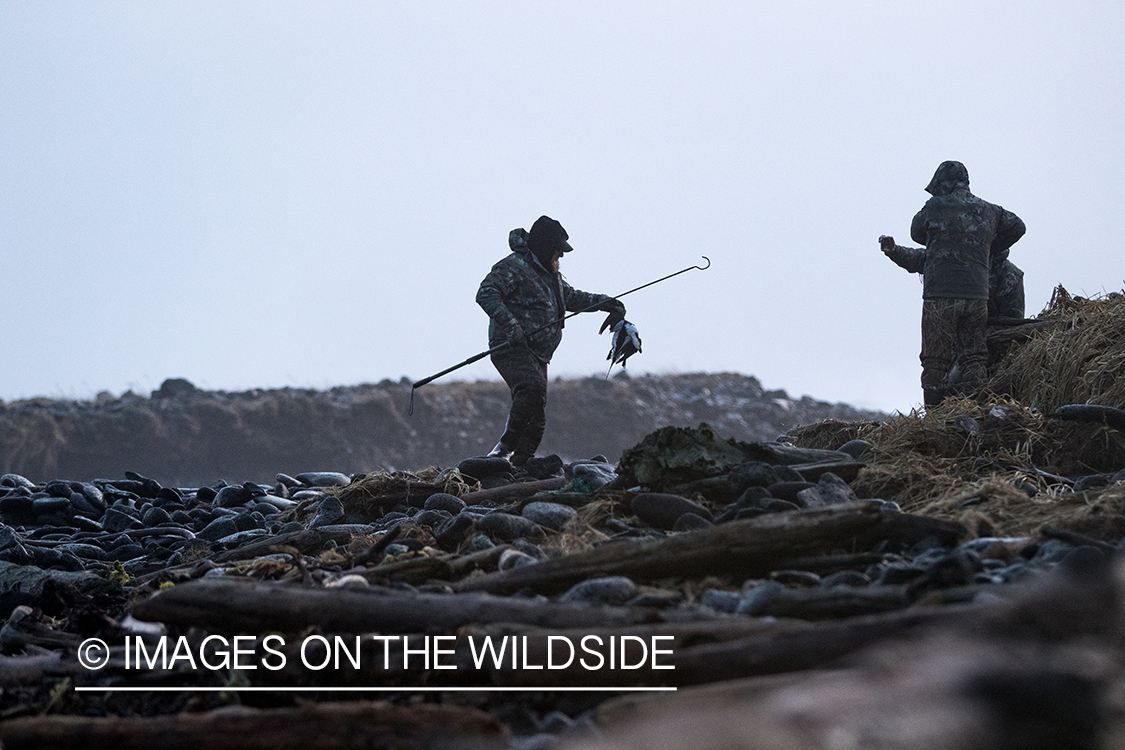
(235, 605)
(754, 546)
(511, 493)
(311, 726)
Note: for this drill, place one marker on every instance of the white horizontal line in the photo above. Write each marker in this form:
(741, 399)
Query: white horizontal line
(545, 689)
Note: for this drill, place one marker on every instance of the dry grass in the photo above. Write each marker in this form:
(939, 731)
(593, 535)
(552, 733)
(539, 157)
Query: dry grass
(1078, 359)
(972, 462)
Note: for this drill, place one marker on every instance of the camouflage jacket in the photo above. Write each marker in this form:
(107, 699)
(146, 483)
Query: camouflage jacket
(960, 232)
(1005, 279)
(520, 290)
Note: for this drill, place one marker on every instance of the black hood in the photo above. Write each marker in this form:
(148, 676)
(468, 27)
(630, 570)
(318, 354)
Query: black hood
(950, 176)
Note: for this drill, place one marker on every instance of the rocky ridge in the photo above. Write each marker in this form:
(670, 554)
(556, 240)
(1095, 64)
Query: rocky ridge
(188, 436)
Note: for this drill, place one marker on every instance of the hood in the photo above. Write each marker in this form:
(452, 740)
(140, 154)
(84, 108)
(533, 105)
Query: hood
(517, 240)
(950, 176)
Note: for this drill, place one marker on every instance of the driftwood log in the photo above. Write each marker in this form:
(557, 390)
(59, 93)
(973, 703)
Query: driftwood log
(310, 726)
(705, 653)
(511, 493)
(237, 605)
(748, 547)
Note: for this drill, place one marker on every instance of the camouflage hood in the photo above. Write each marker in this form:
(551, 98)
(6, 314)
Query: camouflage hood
(950, 176)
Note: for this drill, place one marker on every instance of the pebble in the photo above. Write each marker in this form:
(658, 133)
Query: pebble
(480, 543)
(605, 590)
(1089, 482)
(544, 467)
(513, 558)
(593, 472)
(329, 511)
(232, 497)
(287, 481)
(451, 534)
(789, 490)
(15, 480)
(444, 501)
(661, 510)
(241, 537)
(484, 467)
(755, 600)
(116, 519)
(857, 449)
(721, 600)
(829, 490)
(508, 527)
(691, 522)
(219, 528)
(555, 516)
(324, 479)
(431, 518)
(752, 474)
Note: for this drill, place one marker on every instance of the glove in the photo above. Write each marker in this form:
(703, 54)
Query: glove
(514, 334)
(616, 312)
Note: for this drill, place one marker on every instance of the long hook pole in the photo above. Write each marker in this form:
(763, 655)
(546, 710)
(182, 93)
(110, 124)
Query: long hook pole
(482, 355)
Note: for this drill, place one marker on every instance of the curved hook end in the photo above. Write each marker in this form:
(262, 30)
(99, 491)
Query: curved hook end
(704, 268)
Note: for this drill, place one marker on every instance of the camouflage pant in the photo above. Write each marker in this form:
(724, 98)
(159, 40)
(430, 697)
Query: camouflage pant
(526, 377)
(954, 331)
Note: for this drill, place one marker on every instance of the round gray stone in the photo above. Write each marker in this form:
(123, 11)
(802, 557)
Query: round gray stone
(605, 590)
(551, 515)
(661, 510)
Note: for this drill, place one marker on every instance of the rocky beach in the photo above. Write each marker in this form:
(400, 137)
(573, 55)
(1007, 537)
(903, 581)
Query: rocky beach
(690, 561)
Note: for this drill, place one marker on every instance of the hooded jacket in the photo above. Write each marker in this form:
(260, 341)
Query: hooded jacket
(519, 289)
(960, 233)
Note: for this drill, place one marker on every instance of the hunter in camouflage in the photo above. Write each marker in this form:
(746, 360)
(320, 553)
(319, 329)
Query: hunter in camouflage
(966, 242)
(525, 296)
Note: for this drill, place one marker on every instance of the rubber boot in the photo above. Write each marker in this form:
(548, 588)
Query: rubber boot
(933, 396)
(500, 451)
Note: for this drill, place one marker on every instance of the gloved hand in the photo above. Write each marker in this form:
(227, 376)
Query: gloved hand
(886, 243)
(514, 334)
(616, 311)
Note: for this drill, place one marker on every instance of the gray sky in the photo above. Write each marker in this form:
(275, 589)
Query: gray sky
(265, 194)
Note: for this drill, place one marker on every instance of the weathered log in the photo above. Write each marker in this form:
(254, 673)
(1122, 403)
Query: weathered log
(794, 650)
(827, 564)
(307, 542)
(902, 530)
(227, 606)
(420, 569)
(779, 647)
(838, 602)
(749, 547)
(28, 670)
(23, 629)
(511, 493)
(310, 726)
(1073, 537)
(30, 579)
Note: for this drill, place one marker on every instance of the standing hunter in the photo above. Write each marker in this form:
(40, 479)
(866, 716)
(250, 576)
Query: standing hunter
(963, 236)
(525, 296)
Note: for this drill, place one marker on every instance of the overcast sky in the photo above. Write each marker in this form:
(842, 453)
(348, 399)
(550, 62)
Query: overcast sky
(262, 194)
